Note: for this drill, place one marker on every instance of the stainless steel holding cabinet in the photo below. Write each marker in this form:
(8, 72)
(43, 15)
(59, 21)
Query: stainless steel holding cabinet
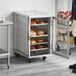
(32, 29)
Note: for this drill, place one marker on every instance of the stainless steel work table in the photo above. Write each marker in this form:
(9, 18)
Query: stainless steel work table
(6, 53)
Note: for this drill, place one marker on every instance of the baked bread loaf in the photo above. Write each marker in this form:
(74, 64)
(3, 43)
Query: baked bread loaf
(40, 22)
(32, 33)
(33, 21)
(40, 32)
(32, 41)
(35, 32)
(32, 47)
(39, 46)
(39, 40)
(33, 29)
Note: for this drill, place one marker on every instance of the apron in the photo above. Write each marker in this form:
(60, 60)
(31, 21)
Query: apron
(73, 28)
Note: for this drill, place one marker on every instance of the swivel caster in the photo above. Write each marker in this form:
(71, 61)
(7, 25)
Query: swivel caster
(8, 66)
(29, 60)
(17, 55)
(44, 58)
(70, 52)
(57, 48)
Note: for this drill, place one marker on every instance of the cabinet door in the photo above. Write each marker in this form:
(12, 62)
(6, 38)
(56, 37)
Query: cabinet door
(61, 40)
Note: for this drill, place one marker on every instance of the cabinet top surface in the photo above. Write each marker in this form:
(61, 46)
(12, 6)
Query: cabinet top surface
(33, 14)
(6, 23)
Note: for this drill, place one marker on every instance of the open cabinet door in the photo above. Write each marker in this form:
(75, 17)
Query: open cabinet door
(61, 23)
(62, 44)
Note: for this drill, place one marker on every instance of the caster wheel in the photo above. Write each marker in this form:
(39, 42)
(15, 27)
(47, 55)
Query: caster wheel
(57, 48)
(44, 58)
(29, 60)
(17, 55)
(8, 66)
(70, 52)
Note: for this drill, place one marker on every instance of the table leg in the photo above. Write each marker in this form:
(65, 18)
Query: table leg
(8, 46)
